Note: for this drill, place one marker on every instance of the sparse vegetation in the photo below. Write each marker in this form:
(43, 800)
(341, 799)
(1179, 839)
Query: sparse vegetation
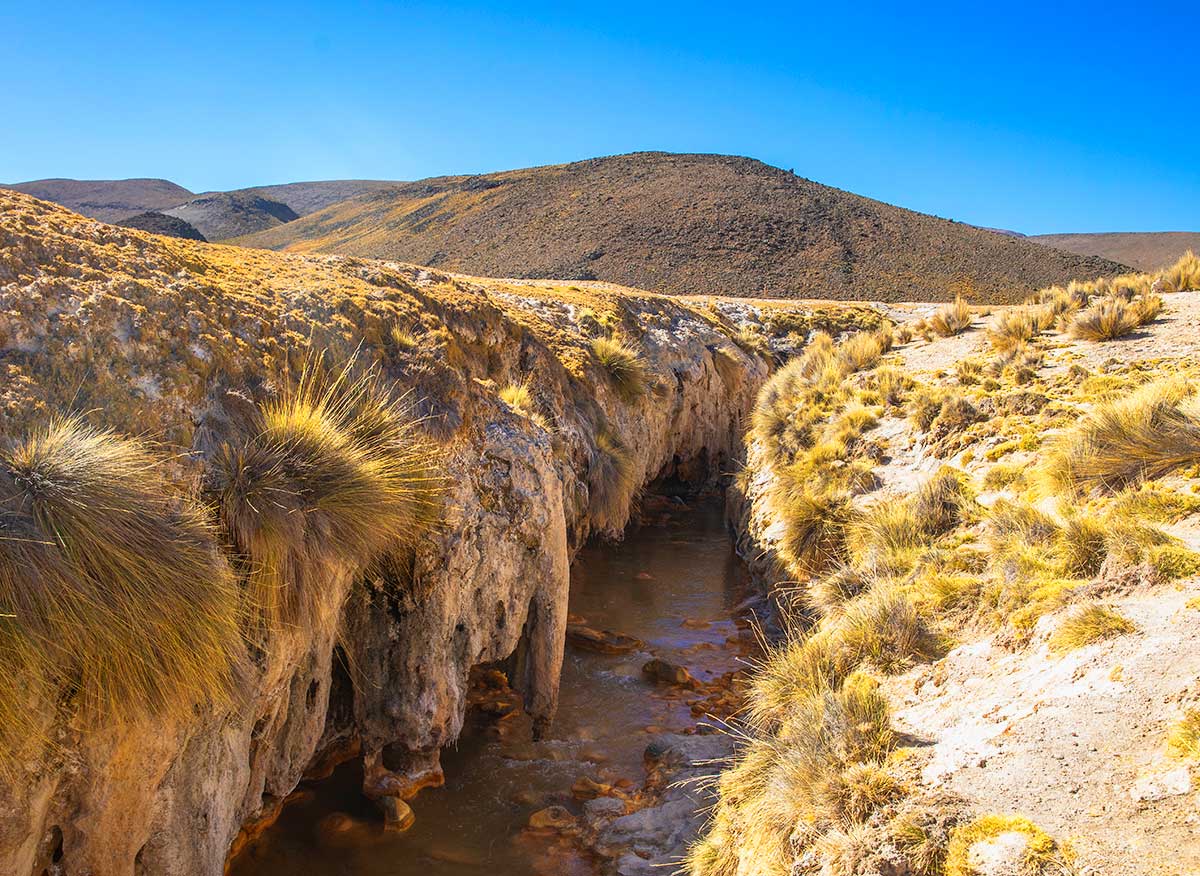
(1183, 739)
(1011, 328)
(1042, 856)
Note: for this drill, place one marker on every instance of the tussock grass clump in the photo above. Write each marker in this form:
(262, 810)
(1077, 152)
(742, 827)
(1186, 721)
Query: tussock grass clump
(334, 470)
(1114, 317)
(519, 397)
(944, 501)
(111, 583)
(1183, 739)
(850, 797)
(814, 532)
(1174, 561)
(1183, 276)
(951, 319)
(612, 482)
(884, 628)
(1092, 623)
(623, 363)
(1146, 435)
(1011, 328)
(1043, 856)
(862, 350)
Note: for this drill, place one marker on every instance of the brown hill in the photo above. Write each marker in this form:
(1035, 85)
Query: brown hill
(220, 215)
(109, 200)
(708, 224)
(161, 223)
(1144, 250)
(309, 197)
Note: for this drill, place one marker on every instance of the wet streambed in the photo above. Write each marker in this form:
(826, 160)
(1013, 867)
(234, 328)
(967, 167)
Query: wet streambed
(672, 585)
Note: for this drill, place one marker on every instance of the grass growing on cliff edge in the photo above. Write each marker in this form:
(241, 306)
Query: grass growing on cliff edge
(335, 470)
(1090, 624)
(622, 362)
(611, 482)
(111, 584)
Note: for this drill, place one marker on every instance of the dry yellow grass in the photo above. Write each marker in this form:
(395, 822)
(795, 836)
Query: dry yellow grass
(622, 362)
(111, 583)
(1143, 436)
(334, 468)
(1090, 624)
(612, 482)
(951, 319)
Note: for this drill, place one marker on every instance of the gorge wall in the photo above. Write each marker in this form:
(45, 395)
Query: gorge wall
(174, 340)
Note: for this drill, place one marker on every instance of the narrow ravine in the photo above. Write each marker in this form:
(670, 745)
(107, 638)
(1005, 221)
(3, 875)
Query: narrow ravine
(672, 584)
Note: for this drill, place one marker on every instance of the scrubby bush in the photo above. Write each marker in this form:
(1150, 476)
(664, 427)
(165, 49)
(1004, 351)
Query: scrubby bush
(622, 362)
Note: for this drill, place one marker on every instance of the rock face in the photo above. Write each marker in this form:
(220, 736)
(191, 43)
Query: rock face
(184, 330)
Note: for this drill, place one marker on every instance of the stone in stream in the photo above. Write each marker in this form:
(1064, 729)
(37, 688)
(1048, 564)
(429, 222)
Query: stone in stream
(586, 788)
(602, 641)
(397, 815)
(551, 818)
(668, 673)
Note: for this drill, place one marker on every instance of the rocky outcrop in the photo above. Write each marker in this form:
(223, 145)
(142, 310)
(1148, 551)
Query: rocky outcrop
(181, 331)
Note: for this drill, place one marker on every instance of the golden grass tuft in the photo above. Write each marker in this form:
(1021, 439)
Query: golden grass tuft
(519, 397)
(622, 362)
(611, 482)
(1114, 317)
(111, 583)
(334, 470)
(1013, 327)
(1087, 625)
(944, 501)
(862, 350)
(814, 530)
(1143, 436)
(1183, 739)
(951, 319)
(1043, 856)
(1183, 276)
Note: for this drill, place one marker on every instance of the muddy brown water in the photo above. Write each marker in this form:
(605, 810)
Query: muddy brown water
(661, 575)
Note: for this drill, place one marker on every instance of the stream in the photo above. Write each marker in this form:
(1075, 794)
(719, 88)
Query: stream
(671, 584)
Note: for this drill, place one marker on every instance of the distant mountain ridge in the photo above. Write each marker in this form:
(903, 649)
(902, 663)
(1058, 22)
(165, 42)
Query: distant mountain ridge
(218, 215)
(680, 223)
(675, 223)
(109, 200)
(1144, 250)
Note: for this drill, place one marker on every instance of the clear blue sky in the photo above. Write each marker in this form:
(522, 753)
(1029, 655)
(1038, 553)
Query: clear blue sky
(1077, 118)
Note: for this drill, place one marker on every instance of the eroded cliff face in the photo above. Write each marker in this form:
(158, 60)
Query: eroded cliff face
(169, 337)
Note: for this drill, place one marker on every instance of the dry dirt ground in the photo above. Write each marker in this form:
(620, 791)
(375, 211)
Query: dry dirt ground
(1075, 742)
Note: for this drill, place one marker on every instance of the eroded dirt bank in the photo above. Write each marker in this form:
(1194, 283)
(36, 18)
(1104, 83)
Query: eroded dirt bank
(173, 340)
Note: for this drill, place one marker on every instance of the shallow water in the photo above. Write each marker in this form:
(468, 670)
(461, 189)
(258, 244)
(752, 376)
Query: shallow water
(680, 570)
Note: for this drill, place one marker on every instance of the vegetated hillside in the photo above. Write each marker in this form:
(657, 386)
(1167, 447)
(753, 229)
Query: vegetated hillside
(707, 224)
(161, 223)
(221, 215)
(109, 200)
(1144, 250)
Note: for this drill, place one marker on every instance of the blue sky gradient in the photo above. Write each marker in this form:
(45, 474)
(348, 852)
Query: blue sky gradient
(1079, 117)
